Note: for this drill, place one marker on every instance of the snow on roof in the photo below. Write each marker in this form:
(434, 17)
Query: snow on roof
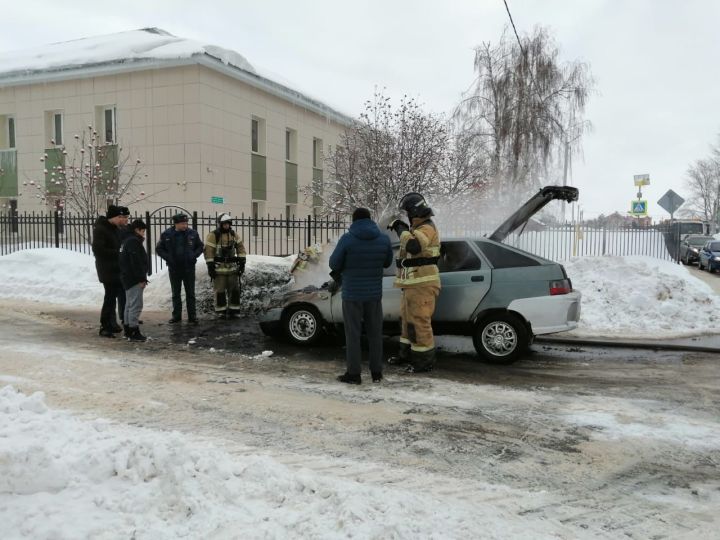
(122, 47)
(137, 48)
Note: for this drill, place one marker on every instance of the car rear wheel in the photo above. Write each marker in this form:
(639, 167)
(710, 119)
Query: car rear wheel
(302, 324)
(501, 338)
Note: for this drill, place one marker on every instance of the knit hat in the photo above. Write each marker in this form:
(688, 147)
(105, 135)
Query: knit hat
(113, 211)
(137, 224)
(124, 210)
(180, 218)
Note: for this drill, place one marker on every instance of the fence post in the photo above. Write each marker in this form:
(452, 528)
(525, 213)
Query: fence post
(604, 240)
(57, 229)
(194, 220)
(148, 242)
(309, 231)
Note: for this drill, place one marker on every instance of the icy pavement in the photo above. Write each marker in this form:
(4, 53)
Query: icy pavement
(569, 443)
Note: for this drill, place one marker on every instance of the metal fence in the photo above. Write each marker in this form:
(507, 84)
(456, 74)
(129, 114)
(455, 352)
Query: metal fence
(279, 236)
(288, 235)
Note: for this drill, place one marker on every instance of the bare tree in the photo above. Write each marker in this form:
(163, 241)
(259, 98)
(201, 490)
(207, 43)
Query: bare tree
(525, 108)
(386, 153)
(703, 181)
(91, 175)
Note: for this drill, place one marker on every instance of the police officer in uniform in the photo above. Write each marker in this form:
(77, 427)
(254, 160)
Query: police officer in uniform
(419, 279)
(225, 258)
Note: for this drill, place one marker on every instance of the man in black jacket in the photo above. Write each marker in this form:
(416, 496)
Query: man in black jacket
(106, 248)
(133, 275)
(180, 247)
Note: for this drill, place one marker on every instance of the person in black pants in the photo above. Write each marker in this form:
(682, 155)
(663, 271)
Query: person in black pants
(106, 248)
(180, 247)
(360, 256)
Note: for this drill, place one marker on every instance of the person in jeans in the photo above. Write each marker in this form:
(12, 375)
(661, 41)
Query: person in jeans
(106, 248)
(133, 275)
(180, 247)
(360, 256)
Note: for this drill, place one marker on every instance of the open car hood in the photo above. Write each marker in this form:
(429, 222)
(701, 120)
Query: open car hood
(536, 203)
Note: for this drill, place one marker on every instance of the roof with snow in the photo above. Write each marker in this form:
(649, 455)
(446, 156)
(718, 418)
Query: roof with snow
(135, 50)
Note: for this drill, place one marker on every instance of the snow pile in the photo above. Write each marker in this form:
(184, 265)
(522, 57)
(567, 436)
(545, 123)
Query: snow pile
(641, 297)
(59, 276)
(144, 44)
(61, 477)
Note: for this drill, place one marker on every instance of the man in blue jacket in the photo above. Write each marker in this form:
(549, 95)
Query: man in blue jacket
(180, 247)
(360, 256)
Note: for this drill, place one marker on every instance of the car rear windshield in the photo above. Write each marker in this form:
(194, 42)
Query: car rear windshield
(502, 257)
(697, 240)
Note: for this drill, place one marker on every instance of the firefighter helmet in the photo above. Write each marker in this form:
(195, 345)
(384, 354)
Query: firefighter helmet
(415, 205)
(225, 218)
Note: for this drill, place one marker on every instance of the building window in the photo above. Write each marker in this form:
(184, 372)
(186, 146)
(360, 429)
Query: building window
(258, 208)
(11, 132)
(257, 135)
(110, 125)
(58, 128)
(290, 211)
(317, 153)
(291, 145)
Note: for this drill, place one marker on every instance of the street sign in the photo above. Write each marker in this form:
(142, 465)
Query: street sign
(671, 201)
(217, 200)
(638, 208)
(641, 179)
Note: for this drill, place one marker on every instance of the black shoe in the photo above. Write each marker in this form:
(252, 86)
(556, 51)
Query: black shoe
(115, 328)
(221, 315)
(193, 321)
(349, 379)
(126, 331)
(106, 332)
(174, 320)
(232, 314)
(397, 360)
(377, 376)
(135, 335)
(402, 357)
(413, 369)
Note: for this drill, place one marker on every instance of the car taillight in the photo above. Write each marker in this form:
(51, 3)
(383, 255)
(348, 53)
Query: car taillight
(561, 286)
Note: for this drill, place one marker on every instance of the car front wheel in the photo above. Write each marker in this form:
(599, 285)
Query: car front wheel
(501, 338)
(302, 324)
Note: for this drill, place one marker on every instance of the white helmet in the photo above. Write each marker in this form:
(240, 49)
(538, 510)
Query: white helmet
(224, 218)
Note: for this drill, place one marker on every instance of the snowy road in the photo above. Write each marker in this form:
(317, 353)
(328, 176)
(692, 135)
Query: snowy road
(567, 443)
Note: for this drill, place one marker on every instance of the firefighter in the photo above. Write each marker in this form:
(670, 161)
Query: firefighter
(419, 279)
(225, 258)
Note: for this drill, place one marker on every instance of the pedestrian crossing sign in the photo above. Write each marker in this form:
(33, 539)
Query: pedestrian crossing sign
(638, 207)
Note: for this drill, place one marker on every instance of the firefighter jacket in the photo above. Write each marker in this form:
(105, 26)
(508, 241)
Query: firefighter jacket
(226, 250)
(418, 256)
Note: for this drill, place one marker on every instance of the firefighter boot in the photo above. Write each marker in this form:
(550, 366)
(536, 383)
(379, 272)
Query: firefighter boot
(403, 355)
(421, 362)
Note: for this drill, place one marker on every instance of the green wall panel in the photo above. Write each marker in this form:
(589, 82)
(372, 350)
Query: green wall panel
(9, 176)
(291, 183)
(259, 178)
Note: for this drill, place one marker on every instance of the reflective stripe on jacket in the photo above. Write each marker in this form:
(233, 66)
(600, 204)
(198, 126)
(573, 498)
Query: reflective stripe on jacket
(425, 232)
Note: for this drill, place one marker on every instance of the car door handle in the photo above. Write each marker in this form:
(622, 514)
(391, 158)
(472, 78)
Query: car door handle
(477, 278)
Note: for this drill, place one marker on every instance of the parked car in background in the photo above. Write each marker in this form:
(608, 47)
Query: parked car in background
(690, 247)
(709, 256)
(499, 295)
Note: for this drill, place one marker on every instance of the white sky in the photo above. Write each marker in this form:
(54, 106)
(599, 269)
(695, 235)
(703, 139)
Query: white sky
(655, 63)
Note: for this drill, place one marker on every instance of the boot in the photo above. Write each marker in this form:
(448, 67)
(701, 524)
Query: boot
(421, 362)
(377, 376)
(135, 335)
(349, 378)
(106, 332)
(403, 355)
(126, 331)
(115, 328)
(174, 320)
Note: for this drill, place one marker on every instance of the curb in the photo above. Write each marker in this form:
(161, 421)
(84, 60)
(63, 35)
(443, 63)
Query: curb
(628, 344)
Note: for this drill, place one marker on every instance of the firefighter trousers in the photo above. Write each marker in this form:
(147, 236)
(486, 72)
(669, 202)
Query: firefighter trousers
(416, 309)
(227, 292)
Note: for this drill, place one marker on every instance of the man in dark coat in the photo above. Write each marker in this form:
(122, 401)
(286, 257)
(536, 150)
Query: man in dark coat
(360, 256)
(180, 247)
(106, 248)
(133, 275)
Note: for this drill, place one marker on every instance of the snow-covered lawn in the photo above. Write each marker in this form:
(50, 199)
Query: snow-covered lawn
(633, 297)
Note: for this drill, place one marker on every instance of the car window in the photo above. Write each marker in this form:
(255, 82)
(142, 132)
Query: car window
(714, 246)
(457, 257)
(696, 241)
(502, 257)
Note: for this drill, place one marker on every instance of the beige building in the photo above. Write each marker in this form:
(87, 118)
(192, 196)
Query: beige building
(213, 133)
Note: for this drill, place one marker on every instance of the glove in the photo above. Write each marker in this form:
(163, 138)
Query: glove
(399, 226)
(241, 266)
(211, 270)
(333, 286)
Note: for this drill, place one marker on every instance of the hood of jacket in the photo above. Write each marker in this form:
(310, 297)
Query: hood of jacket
(364, 229)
